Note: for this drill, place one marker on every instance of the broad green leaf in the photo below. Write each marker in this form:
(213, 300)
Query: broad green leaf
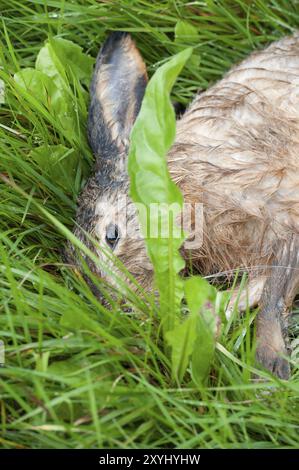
(182, 339)
(198, 291)
(48, 63)
(187, 337)
(57, 162)
(201, 296)
(151, 138)
(60, 70)
(52, 95)
(60, 57)
(184, 30)
(36, 83)
(75, 321)
(203, 352)
(72, 368)
(82, 321)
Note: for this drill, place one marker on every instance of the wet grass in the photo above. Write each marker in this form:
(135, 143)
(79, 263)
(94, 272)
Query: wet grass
(79, 375)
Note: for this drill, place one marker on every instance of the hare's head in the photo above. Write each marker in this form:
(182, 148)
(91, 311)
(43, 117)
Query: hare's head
(105, 211)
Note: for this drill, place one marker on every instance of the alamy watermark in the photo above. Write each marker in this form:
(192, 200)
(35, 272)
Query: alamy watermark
(159, 220)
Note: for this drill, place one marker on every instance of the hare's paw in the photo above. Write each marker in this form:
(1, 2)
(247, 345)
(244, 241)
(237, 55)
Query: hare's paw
(273, 361)
(271, 351)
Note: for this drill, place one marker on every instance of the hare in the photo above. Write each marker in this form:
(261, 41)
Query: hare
(236, 152)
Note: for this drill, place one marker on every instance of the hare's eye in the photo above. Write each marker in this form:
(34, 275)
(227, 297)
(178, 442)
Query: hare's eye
(112, 235)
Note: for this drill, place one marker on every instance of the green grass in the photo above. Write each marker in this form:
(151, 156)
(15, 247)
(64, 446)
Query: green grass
(99, 377)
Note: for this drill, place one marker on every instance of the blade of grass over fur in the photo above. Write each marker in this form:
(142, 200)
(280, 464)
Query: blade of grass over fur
(152, 188)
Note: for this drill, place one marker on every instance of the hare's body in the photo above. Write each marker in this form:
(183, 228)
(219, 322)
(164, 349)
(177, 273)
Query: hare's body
(236, 152)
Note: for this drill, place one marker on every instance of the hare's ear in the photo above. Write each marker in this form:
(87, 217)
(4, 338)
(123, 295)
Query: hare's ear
(117, 90)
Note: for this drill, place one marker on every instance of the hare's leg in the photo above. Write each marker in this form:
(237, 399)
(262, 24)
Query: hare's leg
(277, 297)
(249, 297)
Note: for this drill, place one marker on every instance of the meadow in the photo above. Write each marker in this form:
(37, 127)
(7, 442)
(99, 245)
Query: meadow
(79, 373)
